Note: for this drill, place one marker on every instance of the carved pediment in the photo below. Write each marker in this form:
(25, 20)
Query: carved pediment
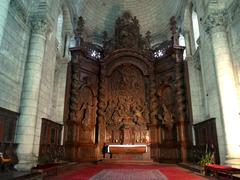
(127, 35)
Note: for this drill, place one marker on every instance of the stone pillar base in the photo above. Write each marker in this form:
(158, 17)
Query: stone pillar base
(26, 162)
(24, 166)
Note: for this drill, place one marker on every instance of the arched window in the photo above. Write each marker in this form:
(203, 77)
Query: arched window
(182, 43)
(59, 29)
(195, 26)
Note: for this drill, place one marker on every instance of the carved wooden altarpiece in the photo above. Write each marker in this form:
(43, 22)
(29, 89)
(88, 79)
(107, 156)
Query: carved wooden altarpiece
(127, 95)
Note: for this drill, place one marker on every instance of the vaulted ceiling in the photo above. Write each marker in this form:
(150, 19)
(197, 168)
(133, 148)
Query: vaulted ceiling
(153, 15)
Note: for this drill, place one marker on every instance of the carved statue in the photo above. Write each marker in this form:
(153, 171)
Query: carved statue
(85, 110)
(79, 31)
(116, 115)
(174, 29)
(138, 115)
(166, 118)
(80, 26)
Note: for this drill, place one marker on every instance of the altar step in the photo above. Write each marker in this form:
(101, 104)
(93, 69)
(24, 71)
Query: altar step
(125, 161)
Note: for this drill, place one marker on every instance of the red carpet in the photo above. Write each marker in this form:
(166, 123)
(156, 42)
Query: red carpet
(129, 174)
(170, 171)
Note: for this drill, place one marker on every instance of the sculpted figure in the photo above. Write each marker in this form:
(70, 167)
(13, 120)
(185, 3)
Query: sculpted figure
(115, 116)
(138, 115)
(85, 111)
(167, 118)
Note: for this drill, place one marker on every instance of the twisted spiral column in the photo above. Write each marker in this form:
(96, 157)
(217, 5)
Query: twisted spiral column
(153, 118)
(101, 124)
(180, 101)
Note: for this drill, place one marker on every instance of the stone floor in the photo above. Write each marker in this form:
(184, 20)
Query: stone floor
(13, 174)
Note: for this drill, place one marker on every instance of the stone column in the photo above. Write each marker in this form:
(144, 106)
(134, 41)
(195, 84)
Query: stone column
(30, 94)
(4, 5)
(216, 25)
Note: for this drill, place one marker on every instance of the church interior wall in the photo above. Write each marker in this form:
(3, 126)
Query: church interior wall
(13, 55)
(53, 81)
(194, 68)
(203, 82)
(211, 96)
(234, 41)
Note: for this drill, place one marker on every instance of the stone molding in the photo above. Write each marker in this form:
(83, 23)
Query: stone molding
(234, 10)
(215, 21)
(196, 60)
(20, 9)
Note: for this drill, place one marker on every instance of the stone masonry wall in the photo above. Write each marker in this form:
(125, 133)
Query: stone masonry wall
(13, 55)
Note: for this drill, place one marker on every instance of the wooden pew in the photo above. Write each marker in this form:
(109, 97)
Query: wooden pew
(217, 170)
(5, 162)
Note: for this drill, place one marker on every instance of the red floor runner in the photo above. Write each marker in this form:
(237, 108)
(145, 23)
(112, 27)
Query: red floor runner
(170, 171)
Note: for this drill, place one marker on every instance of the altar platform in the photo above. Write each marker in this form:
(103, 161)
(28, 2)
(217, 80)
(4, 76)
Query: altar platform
(126, 153)
(127, 149)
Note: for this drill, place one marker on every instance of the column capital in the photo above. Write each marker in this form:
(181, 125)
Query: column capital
(215, 21)
(39, 25)
(40, 20)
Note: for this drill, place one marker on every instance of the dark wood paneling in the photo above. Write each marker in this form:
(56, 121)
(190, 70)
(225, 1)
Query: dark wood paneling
(51, 132)
(8, 121)
(206, 135)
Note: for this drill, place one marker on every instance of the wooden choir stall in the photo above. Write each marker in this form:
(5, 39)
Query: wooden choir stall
(127, 95)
